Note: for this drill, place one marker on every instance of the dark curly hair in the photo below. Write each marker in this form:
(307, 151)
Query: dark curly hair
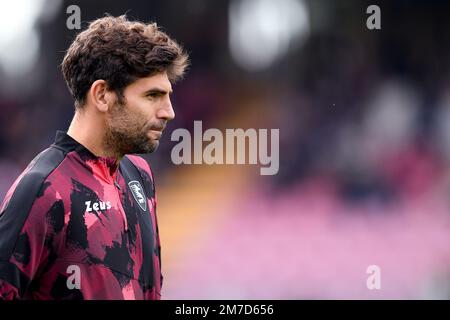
(120, 51)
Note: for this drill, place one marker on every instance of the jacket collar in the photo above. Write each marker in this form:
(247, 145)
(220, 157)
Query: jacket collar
(105, 167)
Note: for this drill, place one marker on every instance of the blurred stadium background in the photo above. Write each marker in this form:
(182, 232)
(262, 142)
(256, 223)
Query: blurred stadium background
(364, 118)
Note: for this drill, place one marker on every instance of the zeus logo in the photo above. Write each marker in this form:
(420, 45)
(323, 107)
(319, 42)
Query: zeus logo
(96, 206)
(138, 194)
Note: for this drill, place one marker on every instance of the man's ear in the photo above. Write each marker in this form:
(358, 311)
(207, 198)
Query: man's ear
(101, 97)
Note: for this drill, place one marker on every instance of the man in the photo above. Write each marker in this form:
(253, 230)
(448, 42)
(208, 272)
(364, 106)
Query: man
(80, 221)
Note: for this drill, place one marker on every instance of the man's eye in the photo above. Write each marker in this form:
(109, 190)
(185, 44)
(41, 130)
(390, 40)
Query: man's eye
(153, 95)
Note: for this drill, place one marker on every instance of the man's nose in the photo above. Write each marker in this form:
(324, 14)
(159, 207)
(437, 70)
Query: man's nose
(166, 111)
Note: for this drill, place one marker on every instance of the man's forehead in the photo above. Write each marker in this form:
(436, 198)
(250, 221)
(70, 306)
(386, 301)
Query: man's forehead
(158, 81)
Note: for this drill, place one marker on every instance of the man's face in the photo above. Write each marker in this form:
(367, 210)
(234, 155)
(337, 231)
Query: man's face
(137, 125)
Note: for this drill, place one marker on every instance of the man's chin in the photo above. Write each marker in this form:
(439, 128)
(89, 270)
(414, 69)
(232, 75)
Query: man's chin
(155, 145)
(143, 148)
(151, 147)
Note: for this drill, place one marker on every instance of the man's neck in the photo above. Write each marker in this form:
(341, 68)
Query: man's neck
(89, 131)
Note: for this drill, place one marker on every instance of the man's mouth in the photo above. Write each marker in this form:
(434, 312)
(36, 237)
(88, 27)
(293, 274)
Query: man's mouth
(157, 133)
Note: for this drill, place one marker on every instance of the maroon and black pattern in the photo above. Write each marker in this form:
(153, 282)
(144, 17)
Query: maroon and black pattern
(71, 208)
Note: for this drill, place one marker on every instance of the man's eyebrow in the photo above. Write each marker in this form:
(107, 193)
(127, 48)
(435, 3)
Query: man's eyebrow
(158, 91)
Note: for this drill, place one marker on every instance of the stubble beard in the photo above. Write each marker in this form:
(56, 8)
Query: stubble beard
(127, 133)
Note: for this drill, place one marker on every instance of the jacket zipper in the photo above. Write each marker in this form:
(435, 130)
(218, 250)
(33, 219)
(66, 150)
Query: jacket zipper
(122, 211)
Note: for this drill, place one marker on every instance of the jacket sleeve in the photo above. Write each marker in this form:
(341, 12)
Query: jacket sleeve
(27, 225)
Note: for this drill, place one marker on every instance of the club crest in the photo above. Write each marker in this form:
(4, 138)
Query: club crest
(138, 194)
